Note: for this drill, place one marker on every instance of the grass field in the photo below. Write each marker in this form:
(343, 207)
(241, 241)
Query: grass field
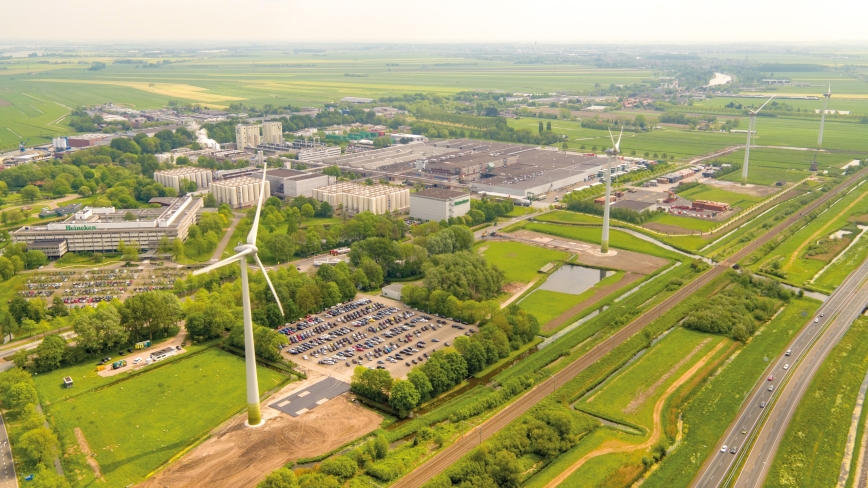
(813, 446)
(519, 261)
(791, 254)
(135, 426)
(707, 192)
(547, 305)
(687, 223)
(567, 217)
(768, 166)
(709, 412)
(593, 235)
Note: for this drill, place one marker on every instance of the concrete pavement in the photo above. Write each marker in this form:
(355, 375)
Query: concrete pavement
(7, 466)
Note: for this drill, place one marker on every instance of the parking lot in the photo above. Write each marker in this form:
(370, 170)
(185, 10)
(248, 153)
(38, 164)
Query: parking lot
(374, 332)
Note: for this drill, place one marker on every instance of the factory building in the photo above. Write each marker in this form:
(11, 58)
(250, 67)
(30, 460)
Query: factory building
(438, 204)
(247, 136)
(676, 176)
(272, 133)
(239, 192)
(287, 183)
(171, 178)
(355, 198)
(101, 229)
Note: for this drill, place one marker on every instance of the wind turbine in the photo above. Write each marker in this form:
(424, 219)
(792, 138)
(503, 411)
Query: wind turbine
(254, 415)
(826, 97)
(613, 153)
(750, 131)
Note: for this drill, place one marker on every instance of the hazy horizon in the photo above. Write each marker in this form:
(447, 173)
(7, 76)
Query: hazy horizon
(443, 22)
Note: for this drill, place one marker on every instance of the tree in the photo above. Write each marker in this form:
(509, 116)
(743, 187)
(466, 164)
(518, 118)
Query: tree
(126, 145)
(30, 193)
(35, 259)
(421, 383)
(505, 469)
(540, 127)
(210, 201)
(58, 308)
(325, 210)
(50, 353)
(340, 467)
(404, 397)
(640, 121)
(39, 445)
(548, 126)
(47, 477)
(19, 395)
(101, 329)
(282, 478)
(307, 211)
(150, 312)
(7, 270)
(4, 189)
(129, 251)
(18, 308)
(281, 246)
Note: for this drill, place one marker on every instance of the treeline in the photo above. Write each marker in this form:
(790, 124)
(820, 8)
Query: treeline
(111, 325)
(498, 335)
(163, 141)
(619, 213)
(36, 447)
(474, 121)
(17, 258)
(680, 118)
(738, 310)
(684, 186)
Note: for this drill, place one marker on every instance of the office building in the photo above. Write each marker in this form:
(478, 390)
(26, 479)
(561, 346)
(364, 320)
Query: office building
(101, 229)
(355, 198)
(438, 204)
(239, 192)
(288, 183)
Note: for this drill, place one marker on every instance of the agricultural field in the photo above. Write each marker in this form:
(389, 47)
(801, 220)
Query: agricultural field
(803, 255)
(812, 449)
(520, 262)
(689, 224)
(768, 166)
(854, 105)
(133, 427)
(709, 412)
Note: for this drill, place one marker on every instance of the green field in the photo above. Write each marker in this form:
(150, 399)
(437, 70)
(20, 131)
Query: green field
(791, 255)
(593, 235)
(546, 305)
(135, 426)
(707, 414)
(768, 166)
(520, 262)
(689, 224)
(813, 446)
(707, 192)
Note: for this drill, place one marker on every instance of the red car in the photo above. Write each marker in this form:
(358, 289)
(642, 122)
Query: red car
(771, 377)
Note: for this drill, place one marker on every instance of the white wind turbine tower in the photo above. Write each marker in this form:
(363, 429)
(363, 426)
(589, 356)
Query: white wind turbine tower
(750, 130)
(254, 415)
(613, 153)
(826, 97)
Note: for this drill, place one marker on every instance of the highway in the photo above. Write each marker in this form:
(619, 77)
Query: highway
(448, 456)
(788, 386)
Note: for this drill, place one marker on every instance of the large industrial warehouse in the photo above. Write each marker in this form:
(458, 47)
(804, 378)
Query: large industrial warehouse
(438, 204)
(102, 229)
(171, 178)
(288, 183)
(239, 192)
(355, 198)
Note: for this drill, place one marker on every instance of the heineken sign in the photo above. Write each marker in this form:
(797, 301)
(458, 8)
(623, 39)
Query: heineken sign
(80, 227)
(461, 202)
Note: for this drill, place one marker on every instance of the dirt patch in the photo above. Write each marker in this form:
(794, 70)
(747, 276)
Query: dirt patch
(656, 431)
(643, 395)
(750, 189)
(859, 219)
(238, 456)
(4, 103)
(839, 246)
(599, 295)
(85, 448)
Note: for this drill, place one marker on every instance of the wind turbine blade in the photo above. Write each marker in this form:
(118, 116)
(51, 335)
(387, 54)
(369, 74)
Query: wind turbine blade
(251, 237)
(612, 137)
(763, 105)
(220, 264)
(268, 280)
(618, 145)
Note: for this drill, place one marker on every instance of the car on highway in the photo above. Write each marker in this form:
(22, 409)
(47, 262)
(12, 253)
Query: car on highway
(762, 405)
(723, 449)
(786, 366)
(744, 431)
(816, 320)
(734, 450)
(789, 352)
(771, 377)
(771, 387)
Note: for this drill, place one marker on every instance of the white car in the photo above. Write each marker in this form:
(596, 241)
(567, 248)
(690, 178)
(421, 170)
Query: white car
(723, 449)
(786, 366)
(304, 357)
(137, 360)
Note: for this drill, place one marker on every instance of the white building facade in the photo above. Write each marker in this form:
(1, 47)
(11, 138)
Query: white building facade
(239, 192)
(355, 198)
(438, 204)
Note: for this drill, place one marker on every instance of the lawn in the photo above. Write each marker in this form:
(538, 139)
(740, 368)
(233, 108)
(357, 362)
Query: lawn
(567, 217)
(813, 446)
(593, 235)
(709, 412)
(689, 224)
(135, 426)
(706, 192)
(519, 211)
(547, 305)
(520, 262)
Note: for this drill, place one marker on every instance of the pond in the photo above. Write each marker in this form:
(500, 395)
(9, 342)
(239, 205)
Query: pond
(574, 279)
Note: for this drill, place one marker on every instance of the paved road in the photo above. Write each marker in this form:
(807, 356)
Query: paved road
(464, 445)
(7, 467)
(311, 397)
(841, 308)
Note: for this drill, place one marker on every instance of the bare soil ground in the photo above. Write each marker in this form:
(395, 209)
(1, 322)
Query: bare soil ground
(85, 448)
(600, 294)
(624, 260)
(4, 103)
(239, 456)
(657, 431)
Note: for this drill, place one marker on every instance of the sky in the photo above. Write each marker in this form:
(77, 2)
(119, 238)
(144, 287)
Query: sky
(424, 21)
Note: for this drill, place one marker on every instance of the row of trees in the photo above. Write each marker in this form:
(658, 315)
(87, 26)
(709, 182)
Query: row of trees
(17, 258)
(35, 445)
